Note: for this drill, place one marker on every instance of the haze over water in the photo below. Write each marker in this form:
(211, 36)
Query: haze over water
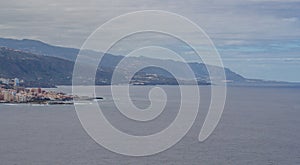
(258, 126)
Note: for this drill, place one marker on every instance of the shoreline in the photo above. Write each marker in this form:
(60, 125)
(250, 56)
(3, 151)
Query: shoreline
(54, 102)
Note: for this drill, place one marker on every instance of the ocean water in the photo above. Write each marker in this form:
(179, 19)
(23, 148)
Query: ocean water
(258, 126)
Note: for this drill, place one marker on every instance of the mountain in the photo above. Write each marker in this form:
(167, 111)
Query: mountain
(109, 62)
(39, 63)
(36, 70)
(45, 71)
(40, 48)
(42, 71)
(42, 52)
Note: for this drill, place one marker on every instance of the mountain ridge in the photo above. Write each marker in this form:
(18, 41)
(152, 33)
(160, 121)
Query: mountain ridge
(109, 62)
(40, 48)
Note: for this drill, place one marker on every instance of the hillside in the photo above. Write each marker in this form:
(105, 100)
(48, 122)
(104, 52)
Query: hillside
(36, 70)
(41, 64)
(45, 71)
(40, 48)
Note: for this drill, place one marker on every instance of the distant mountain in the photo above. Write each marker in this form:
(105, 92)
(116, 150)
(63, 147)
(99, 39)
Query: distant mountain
(36, 70)
(45, 71)
(40, 48)
(38, 62)
(109, 61)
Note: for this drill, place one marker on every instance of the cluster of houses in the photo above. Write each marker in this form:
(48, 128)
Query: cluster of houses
(11, 92)
(10, 82)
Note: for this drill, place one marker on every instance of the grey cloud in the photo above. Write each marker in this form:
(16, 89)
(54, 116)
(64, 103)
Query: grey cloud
(77, 19)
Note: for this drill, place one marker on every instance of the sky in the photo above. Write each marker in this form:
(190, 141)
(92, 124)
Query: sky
(255, 38)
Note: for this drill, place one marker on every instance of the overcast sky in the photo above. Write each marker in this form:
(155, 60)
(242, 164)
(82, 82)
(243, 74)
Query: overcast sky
(256, 38)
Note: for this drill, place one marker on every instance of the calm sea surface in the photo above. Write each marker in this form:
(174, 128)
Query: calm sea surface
(258, 126)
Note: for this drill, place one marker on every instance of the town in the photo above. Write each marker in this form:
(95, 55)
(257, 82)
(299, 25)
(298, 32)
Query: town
(12, 92)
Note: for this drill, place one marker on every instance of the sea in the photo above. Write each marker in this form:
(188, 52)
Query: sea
(259, 125)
